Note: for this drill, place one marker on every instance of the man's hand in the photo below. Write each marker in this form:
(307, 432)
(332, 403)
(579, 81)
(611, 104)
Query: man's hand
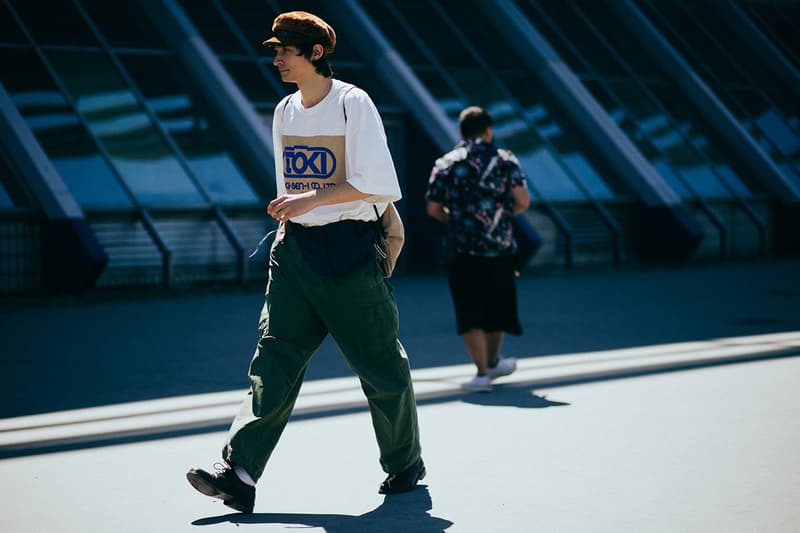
(287, 206)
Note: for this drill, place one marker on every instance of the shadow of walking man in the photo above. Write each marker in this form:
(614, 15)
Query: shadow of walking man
(511, 396)
(399, 512)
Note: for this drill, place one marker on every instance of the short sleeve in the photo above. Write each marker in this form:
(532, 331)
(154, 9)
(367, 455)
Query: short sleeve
(437, 185)
(277, 136)
(516, 175)
(370, 168)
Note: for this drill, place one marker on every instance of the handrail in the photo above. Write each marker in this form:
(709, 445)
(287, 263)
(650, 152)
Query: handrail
(723, 232)
(233, 238)
(611, 224)
(563, 227)
(166, 253)
(760, 226)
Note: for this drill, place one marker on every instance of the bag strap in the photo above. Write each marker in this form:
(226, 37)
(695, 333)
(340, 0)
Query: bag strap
(286, 103)
(344, 110)
(344, 101)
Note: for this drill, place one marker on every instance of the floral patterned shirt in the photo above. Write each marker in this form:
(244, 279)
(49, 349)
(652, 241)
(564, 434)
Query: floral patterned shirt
(474, 182)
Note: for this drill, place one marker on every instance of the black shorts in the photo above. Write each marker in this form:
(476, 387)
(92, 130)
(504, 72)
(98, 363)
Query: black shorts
(484, 292)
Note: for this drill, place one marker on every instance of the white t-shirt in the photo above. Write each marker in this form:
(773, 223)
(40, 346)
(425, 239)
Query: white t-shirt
(316, 148)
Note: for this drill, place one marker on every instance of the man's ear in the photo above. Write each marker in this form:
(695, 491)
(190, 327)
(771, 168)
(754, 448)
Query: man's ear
(317, 52)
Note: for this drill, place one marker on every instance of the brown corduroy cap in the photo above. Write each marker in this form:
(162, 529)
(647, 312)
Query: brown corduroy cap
(299, 27)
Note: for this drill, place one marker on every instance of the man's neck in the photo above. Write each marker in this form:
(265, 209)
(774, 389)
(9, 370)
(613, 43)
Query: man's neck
(314, 89)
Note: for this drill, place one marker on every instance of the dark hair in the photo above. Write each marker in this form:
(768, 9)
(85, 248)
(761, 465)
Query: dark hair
(473, 121)
(321, 65)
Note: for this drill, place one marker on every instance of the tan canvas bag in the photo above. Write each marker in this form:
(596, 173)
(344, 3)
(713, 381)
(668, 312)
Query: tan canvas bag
(391, 235)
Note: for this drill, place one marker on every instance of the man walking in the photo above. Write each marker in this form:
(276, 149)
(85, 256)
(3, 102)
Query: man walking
(333, 170)
(476, 189)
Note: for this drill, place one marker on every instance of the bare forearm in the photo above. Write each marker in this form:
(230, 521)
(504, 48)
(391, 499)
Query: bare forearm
(288, 206)
(338, 195)
(522, 200)
(519, 208)
(438, 212)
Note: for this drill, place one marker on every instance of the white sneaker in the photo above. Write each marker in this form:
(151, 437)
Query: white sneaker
(478, 384)
(505, 366)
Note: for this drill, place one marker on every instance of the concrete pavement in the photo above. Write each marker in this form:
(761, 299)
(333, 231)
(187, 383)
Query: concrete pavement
(659, 400)
(711, 449)
(122, 346)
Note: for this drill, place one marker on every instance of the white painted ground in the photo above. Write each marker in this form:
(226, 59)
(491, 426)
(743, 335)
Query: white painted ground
(711, 450)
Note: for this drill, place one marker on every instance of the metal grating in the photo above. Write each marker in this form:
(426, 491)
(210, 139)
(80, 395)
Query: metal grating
(251, 228)
(20, 256)
(133, 258)
(200, 250)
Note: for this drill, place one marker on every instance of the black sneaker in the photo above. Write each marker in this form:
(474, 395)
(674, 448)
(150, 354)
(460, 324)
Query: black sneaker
(405, 480)
(225, 485)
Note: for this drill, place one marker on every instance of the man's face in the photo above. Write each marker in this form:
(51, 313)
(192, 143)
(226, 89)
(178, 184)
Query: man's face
(292, 66)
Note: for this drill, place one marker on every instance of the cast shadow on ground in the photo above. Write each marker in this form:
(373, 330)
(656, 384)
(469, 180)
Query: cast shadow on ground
(511, 396)
(400, 512)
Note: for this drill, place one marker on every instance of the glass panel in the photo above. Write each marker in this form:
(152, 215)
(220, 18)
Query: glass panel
(62, 24)
(691, 41)
(115, 117)
(364, 78)
(64, 139)
(568, 147)
(160, 83)
(252, 83)
(720, 161)
(637, 112)
(544, 24)
(439, 37)
(6, 181)
(5, 199)
(547, 173)
(397, 32)
(617, 39)
(9, 31)
(771, 122)
(779, 22)
(744, 96)
(575, 32)
(254, 19)
(753, 66)
(562, 136)
(656, 128)
(483, 37)
(451, 102)
(536, 112)
(766, 138)
(213, 27)
(669, 175)
(124, 24)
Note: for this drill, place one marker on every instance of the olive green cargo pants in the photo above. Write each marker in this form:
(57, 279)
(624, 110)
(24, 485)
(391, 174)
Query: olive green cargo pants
(300, 309)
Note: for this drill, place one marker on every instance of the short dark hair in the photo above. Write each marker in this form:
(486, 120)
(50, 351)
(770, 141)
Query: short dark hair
(473, 121)
(321, 65)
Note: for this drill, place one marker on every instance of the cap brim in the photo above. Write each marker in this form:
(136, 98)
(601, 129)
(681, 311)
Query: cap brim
(272, 40)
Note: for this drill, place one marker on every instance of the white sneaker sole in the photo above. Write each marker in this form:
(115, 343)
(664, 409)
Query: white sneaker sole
(500, 374)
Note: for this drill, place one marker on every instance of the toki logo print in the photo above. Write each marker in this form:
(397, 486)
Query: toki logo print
(301, 161)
